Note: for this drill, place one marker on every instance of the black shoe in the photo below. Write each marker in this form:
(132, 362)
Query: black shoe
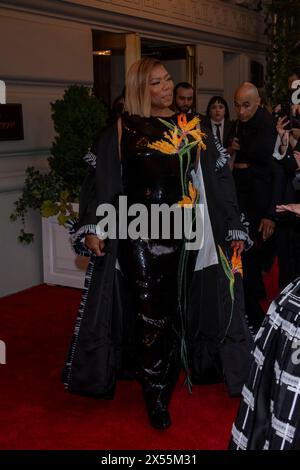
(160, 418)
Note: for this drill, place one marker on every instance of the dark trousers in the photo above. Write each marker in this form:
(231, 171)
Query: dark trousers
(254, 289)
(249, 193)
(153, 267)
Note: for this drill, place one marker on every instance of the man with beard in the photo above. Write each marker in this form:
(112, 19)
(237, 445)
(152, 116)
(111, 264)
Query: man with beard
(184, 97)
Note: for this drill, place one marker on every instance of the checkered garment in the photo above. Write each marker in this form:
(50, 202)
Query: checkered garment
(269, 413)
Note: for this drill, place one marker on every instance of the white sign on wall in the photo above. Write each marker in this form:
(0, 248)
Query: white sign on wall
(2, 352)
(2, 92)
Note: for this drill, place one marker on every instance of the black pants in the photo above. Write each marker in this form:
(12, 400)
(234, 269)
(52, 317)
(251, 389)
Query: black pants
(153, 268)
(250, 192)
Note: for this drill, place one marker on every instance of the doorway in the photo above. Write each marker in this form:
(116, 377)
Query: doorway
(113, 53)
(179, 59)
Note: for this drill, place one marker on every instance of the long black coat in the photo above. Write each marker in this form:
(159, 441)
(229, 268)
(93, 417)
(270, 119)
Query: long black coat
(103, 342)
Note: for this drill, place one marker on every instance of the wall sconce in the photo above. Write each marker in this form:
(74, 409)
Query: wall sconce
(104, 52)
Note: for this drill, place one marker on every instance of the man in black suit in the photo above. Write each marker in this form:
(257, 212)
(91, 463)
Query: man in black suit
(258, 184)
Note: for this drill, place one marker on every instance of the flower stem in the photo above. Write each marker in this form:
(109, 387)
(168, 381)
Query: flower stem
(181, 176)
(186, 170)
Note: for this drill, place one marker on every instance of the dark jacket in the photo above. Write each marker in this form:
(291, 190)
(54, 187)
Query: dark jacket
(257, 139)
(228, 129)
(102, 347)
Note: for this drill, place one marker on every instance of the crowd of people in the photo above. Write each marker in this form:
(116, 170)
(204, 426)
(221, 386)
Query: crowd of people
(151, 306)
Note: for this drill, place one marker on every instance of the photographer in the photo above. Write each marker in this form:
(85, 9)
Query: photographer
(284, 108)
(287, 150)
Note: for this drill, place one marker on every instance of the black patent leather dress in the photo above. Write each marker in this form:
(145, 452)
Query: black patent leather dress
(151, 177)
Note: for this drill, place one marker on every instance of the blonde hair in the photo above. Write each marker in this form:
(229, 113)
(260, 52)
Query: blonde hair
(137, 97)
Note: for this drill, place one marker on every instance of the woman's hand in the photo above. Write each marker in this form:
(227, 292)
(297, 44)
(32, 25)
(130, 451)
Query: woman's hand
(280, 126)
(283, 134)
(267, 228)
(234, 146)
(295, 208)
(296, 133)
(277, 109)
(238, 245)
(297, 157)
(295, 109)
(95, 244)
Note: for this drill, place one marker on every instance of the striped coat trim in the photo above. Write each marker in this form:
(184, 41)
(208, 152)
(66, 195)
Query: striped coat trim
(223, 154)
(77, 239)
(90, 159)
(81, 311)
(239, 235)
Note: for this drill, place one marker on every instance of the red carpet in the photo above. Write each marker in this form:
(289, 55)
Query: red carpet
(37, 413)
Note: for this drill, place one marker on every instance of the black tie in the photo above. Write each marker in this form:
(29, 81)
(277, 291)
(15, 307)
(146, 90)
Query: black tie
(218, 133)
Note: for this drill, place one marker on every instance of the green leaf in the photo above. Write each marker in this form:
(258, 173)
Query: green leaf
(225, 265)
(168, 124)
(231, 288)
(62, 219)
(49, 209)
(187, 147)
(25, 238)
(64, 195)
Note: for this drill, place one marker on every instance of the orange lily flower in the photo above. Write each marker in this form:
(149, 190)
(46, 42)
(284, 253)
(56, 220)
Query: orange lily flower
(197, 134)
(164, 147)
(189, 200)
(185, 126)
(191, 128)
(236, 263)
(174, 138)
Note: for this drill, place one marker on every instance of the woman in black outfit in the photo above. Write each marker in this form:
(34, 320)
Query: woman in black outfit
(144, 296)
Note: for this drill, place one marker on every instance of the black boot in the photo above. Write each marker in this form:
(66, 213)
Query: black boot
(159, 417)
(157, 407)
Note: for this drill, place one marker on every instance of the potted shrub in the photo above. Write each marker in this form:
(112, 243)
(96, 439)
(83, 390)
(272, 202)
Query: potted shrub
(78, 117)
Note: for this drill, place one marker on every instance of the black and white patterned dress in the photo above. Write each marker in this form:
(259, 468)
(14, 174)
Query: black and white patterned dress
(269, 414)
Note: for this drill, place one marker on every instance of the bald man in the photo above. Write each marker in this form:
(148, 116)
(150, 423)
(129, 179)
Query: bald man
(257, 180)
(246, 101)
